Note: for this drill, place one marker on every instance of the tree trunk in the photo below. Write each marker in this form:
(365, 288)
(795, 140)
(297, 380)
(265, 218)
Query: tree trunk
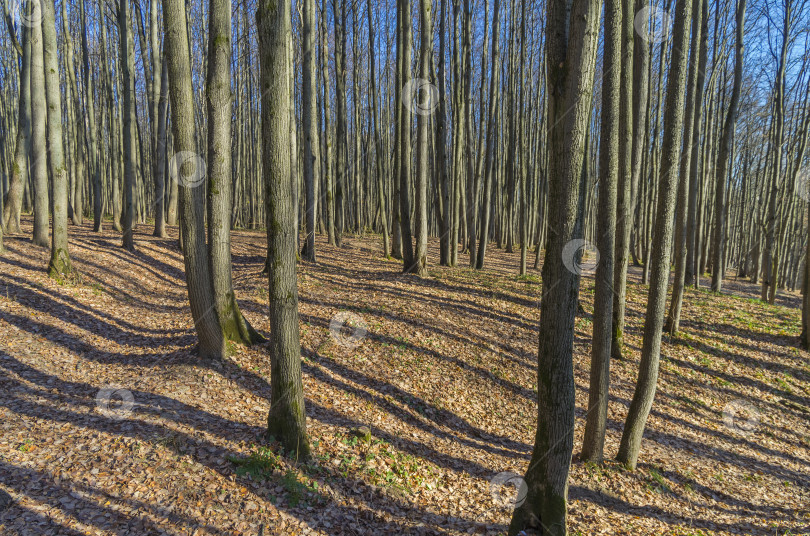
(403, 142)
(492, 135)
(310, 118)
(662, 240)
(380, 154)
(60, 264)
(691, 145)
(160, 153)
(423, 108)
(191, 199)
(287, 418)
(723, 170)
(19, 172)
(220, 186)
(571, 51)
(129, 120)
(594, 441)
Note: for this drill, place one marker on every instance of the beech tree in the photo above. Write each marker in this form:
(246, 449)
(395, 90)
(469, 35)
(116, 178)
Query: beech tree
(570, 50)
(662, 239)
(192, 230)
(287, 418)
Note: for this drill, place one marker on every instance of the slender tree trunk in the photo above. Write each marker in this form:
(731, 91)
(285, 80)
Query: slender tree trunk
(634, 81)
(327, 132)
(287, 417)
(723, 170)
(380, 154)
(691, 146)
(404, 134)
(128, 112)
(662, 239)
(160, 153)
(594, 441)
(694, 179)
(423, 132)
(19, 172)
(310, 118)
(492, 135)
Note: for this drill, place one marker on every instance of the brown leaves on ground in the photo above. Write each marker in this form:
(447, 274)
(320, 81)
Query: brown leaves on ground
(419, 396)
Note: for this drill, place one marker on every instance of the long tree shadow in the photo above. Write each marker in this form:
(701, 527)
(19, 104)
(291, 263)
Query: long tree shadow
(139, 425)
(581, 493)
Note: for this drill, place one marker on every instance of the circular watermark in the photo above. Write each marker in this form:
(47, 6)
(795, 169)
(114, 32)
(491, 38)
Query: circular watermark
(580, 256)
(803, 184)
(115, 409)
(347, 329)
(741, 416)
(188, 169)
(652, 23)
(29, 13)
(420, 97)
(508, 490)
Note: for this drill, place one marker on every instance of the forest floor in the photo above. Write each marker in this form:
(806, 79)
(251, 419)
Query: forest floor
(415, 416)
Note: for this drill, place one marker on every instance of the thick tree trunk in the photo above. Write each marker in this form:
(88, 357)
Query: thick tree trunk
(287, 418)
(662, 239)
(571, 51)
(220, 186)
(60, 264)
(191, 198)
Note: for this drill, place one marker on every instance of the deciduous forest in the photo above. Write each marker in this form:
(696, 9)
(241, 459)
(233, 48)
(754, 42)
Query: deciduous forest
(524, 267)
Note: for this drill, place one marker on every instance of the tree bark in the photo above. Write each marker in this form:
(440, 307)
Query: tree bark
(220, 186)
(310, 118)
(191, 199)
(127, 47)
(691, 145)
(726, 147)
(595, 425)
(60, 264)
(571, 44)
(287, 418)
(19, 171)
(662, 240)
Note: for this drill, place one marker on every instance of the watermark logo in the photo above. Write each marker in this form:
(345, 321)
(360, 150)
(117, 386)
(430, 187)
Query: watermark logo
(508, 490)
(115, 403)
(348, 329)
(580, 257)
(28, 13)
(652, 24)
(420, 97)
(741, 417)
(187, 169)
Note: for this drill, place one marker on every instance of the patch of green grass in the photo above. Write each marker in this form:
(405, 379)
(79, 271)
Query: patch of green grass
(260, 464)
